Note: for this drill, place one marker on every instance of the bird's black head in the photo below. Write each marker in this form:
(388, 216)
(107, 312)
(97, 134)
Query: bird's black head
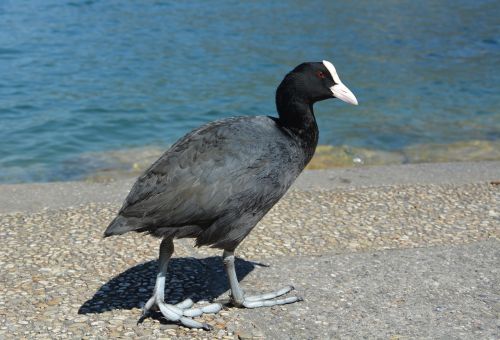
(302, 87)
(315, 81)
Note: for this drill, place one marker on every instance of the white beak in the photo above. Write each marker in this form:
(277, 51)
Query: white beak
(341, 92)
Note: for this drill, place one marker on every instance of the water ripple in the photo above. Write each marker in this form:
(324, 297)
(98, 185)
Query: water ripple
(91, 76)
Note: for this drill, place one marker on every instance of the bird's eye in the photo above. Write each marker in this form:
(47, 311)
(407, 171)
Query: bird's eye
(320, 74)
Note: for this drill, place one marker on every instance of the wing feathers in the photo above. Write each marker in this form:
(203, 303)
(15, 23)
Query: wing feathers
(193, 183)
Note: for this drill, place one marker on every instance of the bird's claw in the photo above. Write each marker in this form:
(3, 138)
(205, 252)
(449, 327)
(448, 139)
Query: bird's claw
(181, 312)
(267, 299)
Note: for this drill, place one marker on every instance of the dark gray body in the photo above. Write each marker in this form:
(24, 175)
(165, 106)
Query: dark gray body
(216, 182)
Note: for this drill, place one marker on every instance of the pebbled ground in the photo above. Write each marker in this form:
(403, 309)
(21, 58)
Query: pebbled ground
(401, 261)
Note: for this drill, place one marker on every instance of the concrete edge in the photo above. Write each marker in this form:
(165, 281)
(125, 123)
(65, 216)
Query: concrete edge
(31, 197)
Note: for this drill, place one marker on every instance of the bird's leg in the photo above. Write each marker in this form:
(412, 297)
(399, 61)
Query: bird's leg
(238, 297)
(181, 312)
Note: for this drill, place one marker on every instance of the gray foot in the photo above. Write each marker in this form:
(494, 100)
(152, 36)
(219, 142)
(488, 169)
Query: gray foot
(181, 312)
(266, 300)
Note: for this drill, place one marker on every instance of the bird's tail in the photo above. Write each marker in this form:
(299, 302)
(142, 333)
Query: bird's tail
(120, 225)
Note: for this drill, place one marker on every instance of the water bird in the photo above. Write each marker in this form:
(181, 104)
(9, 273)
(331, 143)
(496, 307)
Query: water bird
(218, 181)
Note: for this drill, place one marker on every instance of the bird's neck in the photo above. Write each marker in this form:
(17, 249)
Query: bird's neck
(296, 115)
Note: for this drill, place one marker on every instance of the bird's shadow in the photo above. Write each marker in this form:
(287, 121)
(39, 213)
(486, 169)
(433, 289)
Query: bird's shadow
(187, 277)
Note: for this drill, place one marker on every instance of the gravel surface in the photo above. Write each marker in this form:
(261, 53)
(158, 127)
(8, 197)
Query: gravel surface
(36, 196)
(60, 279)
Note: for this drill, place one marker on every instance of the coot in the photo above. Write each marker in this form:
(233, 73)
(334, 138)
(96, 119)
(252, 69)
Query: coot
(218, 181)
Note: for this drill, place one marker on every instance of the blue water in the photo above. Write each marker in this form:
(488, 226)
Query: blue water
(83, 76)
